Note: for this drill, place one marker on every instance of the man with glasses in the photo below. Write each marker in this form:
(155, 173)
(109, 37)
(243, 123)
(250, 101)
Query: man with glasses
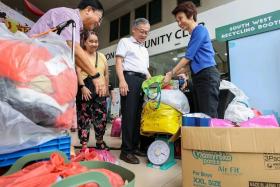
(132, 63)
(88, 16)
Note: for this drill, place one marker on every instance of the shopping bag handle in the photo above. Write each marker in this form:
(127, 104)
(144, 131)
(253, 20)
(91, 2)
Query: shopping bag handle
(84, 178)
(20, 163)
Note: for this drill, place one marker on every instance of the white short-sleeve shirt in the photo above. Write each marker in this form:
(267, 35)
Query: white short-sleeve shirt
(135, 54)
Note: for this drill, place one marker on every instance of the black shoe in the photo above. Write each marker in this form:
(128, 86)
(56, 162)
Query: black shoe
(129, 158)
(140, 153)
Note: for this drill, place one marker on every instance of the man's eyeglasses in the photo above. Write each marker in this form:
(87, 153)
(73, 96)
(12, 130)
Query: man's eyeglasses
(100, 17)
(142, 31)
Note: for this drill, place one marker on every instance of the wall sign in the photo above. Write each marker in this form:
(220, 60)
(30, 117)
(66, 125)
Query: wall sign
(169, 37)
(14, 20)
(256, 25)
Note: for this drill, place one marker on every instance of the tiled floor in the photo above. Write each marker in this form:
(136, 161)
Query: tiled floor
(145, 176)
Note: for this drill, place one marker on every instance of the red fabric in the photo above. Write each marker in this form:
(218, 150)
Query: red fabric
(86, 155)
(22, 62)
(46, 173)
(256, 112)
(114, 178)
(66, 118)
(64, 90)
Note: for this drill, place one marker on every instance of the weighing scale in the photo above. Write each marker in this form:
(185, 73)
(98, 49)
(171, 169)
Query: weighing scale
(161, 154)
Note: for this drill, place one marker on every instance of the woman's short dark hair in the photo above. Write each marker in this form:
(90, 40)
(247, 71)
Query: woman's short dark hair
(95, 4)
(84, 36)
(188, 8)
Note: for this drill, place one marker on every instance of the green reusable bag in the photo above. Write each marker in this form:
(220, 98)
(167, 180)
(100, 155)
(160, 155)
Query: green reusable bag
(152, 88)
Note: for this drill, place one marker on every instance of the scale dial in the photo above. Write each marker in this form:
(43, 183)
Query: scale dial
(158, 152)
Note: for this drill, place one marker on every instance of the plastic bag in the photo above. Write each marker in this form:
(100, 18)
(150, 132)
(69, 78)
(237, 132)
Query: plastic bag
(165, 119)
(17, 132)
(151, 85)
(239, 94)
(220, 123)
(238, 110)
(261, 121)
(152, 89)
(175, 99)
(38, 78)
(267, 121)
(107, 156)
(116, 127)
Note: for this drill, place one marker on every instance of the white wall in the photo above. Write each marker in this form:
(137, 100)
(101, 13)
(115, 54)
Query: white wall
(130, 5)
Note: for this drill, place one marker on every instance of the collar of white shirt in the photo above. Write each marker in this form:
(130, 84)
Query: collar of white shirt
(135, 41)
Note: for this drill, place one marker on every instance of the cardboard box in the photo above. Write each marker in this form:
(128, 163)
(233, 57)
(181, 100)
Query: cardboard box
(230, 157)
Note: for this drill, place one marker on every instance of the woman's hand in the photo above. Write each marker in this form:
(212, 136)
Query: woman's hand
(167, 78)
(100, 87)
(86, 93)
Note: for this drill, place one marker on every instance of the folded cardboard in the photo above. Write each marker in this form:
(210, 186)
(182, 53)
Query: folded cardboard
(230, 157)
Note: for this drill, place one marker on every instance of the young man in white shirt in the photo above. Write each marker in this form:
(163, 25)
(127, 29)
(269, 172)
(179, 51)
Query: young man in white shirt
(132, 63)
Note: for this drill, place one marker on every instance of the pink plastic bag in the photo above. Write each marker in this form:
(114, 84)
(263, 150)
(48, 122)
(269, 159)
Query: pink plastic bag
(220, 123)
(266, 121)
(107, 156)
(116, 127)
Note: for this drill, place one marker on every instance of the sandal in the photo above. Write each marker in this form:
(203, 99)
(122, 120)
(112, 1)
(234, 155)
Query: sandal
(84, 146)
(102, 146)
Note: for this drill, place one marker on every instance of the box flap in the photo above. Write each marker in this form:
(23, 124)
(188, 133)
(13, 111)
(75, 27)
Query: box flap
(247, 140)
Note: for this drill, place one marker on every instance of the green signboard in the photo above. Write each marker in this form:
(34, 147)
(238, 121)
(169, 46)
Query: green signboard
(256, 25)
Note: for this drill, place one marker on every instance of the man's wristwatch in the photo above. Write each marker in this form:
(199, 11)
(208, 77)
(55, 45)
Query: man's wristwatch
(95, 76)
(81, 86)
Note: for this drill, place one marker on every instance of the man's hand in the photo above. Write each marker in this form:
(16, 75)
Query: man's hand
(167, 78)
(100, 87)
(123, 88)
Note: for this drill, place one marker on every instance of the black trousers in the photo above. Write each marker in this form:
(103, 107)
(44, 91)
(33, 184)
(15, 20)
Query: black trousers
(131, 108)
(206, 85)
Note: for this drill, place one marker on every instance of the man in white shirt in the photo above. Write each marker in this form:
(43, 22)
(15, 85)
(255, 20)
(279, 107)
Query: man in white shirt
(132, 63)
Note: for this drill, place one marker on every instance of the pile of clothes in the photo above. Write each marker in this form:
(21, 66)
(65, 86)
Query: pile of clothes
(38, 79)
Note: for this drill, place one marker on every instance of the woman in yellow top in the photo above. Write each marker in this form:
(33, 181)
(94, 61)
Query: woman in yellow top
(91, 109)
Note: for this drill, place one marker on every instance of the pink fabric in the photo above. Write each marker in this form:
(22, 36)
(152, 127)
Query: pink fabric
(261, 121)
(220, 123)
(267, 121)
